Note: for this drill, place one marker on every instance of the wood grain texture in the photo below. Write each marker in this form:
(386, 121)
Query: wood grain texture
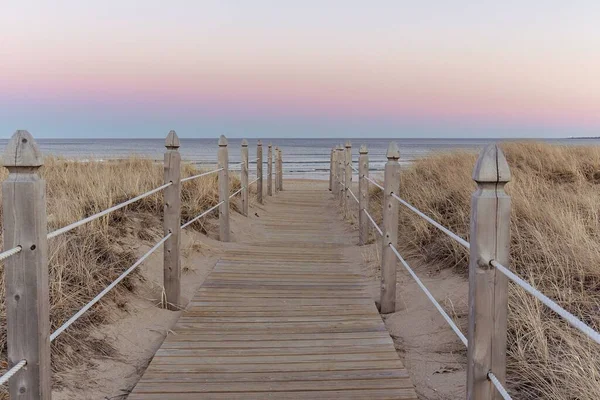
(172, 223)
(259, 172)
(390, 230)
(286, 317)
(270, 170)
(223, 160)
(244, 178)
(348, 201)
(488, 288)
(26, 273)
(363, 195)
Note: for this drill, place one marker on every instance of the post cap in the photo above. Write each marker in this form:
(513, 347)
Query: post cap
(340, 147)
(259, 143)
(348, 144)
(277, 148)
(172, 140)
(22, 151)
(222, 141)
(491, 166)
(363, 149)
(244, 143)
(270, 144)
(393, 152)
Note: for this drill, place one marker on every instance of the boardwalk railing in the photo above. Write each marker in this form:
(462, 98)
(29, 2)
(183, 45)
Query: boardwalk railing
(26, 240)
(489, 257)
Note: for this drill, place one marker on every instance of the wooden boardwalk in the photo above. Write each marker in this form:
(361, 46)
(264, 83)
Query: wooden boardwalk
(286, 317)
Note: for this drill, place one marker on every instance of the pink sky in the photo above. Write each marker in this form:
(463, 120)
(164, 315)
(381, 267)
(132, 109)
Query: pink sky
(530, 65)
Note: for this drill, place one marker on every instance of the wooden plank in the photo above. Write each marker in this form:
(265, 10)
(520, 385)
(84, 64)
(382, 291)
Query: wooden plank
(275, 321)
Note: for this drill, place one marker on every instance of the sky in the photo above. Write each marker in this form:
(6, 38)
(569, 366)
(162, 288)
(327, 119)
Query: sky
(266, 68)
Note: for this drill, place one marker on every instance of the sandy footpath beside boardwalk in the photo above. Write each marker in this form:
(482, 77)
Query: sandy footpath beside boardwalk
(284, 315)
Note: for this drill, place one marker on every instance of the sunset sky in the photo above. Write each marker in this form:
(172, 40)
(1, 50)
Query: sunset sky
(261, 68)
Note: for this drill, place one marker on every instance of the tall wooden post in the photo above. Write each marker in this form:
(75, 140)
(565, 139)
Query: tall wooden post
(259, 172)
(390, 230)
(348, 179)
(223, 159)
(363, 195)
(172, 222)
(342, 175)
(280, 176)
(334, 169)
(488, 288)
(331, 169)
(26, 273)
(244, 176)
(276, 169)
(270, 170)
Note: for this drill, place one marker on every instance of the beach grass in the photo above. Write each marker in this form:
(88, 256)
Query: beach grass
(555, 245)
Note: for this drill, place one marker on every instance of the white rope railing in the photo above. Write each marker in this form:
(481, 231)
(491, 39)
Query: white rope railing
(499, 386)
(373, 222)
(352, 194)
(201, 215)
(570, 318)
(236, 192)
(96, 299)
(11, 252)
(107, 211)
(256, 180)
(189, 178)
(10, 373)
(447, 231)
(431, 298)
(374, 183)
(353, 167)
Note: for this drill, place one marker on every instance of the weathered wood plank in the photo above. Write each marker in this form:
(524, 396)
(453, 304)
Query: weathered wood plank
(275, 321)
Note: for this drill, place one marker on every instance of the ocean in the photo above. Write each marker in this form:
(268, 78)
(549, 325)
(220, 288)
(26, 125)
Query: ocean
(302, 158)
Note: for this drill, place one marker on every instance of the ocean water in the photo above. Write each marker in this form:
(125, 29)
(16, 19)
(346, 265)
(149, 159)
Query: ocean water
(302, 158)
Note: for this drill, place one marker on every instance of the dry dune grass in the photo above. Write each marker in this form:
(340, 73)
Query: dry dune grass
(85, 260)
(555, 228)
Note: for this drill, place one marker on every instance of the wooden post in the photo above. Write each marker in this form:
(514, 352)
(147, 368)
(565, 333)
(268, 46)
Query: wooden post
(270, 170)
(331, 169)
(259, 172)
(244, 176)
(223, 159)
(342, 175)
(390, 230)
(363, 195)
(348, 201)
(172, 222)
(26, 273)
(280, 170)
(334, 169)
(276, 161)
(488, 289)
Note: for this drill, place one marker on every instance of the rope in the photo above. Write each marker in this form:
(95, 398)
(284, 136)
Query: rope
(107, 289)
(107, 211)
(256, 180)
(238, 191)
(201, 215)
(447, 231)
(571, 319)
(352, 194)
(9, 374)
(374, 223)
(199, 175)
(11, 252)
(499, 386)
(374, 183)
(353, 167)
(430, 296)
